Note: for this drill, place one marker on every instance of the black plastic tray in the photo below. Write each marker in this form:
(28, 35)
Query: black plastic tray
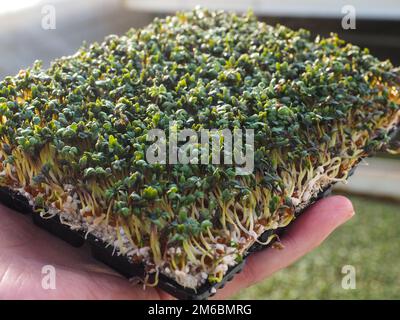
(102, 252)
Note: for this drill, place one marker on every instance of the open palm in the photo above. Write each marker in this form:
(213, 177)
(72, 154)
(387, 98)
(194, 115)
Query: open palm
(26, 249)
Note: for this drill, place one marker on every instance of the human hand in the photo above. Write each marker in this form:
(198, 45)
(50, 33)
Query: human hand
(25, 249)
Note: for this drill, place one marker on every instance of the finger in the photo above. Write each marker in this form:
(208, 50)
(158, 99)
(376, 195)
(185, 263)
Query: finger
(303, 235)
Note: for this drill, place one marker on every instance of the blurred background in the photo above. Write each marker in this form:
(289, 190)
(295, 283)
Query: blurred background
(45, 30)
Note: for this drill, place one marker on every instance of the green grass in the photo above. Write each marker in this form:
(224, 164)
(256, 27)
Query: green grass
(370, 243)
